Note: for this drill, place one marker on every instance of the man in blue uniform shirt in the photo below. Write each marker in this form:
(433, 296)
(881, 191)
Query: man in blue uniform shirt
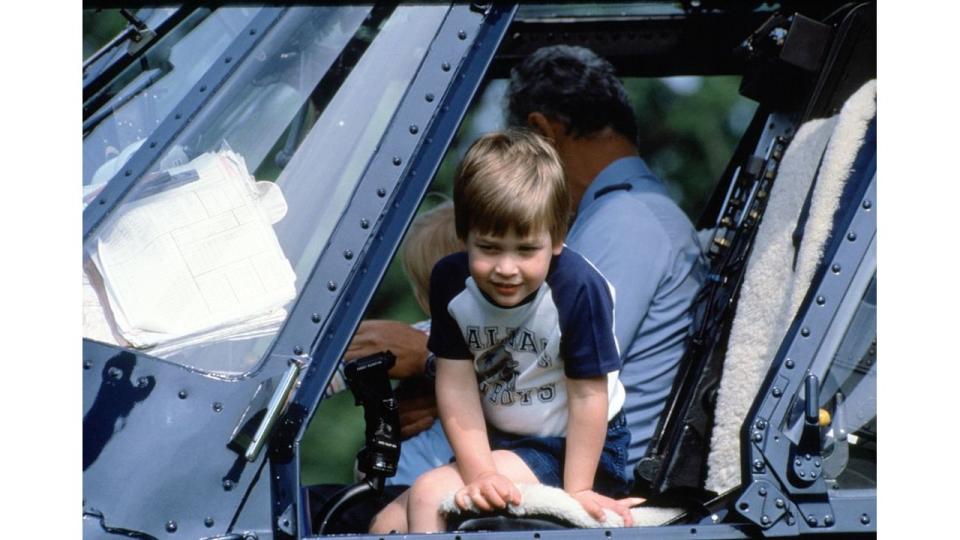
(625, 224)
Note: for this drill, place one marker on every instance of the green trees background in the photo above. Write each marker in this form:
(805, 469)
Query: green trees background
(688, 125)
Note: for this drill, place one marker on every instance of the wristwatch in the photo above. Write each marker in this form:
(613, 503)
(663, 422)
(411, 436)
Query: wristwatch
(430, 366)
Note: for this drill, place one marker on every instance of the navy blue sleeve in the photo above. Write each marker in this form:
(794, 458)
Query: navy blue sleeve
(584, 303)
(447, 280)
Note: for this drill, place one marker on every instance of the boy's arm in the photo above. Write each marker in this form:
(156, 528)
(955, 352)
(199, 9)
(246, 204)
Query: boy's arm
(586, 433)
(462, 417)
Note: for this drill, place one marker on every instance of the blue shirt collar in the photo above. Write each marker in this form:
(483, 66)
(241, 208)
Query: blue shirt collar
(632, 170)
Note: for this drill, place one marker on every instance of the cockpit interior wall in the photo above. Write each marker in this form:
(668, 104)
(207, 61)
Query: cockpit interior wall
(772, 289)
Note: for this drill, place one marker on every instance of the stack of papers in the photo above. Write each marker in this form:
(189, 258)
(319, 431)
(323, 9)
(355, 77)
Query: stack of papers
(192, 260)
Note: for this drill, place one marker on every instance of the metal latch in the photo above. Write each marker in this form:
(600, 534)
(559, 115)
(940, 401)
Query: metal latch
(257, 420)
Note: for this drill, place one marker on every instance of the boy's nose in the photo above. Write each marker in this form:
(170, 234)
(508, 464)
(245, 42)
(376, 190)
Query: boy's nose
(505, 266)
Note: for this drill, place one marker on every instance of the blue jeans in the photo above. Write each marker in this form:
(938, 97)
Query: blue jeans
(544, 456)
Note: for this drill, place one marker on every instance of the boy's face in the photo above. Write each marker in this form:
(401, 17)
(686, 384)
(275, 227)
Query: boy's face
(509, 268)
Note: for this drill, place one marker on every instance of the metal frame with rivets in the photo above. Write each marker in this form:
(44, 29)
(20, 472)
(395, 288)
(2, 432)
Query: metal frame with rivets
(784, 488)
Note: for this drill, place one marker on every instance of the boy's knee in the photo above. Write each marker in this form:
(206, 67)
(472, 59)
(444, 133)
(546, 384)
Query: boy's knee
(431, 488)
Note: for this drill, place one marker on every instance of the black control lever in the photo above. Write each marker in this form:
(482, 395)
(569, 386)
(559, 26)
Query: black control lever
(377, 460)
(806, 457)
(370, 384)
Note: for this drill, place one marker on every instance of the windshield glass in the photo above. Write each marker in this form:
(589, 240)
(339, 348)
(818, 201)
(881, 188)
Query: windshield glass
(203, 258)
(135, 102)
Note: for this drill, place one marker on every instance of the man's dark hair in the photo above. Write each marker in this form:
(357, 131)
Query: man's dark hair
(571, 85)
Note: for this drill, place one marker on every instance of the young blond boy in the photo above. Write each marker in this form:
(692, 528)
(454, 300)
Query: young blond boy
(535, 322)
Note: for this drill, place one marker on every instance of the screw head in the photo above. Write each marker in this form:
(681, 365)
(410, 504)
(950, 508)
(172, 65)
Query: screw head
(758, 465)
(298, 350)
(182, 394)
(332, 285)
(867, 204)
(381, 192)
(762, 491)
(765, 520)
(227, 485)
(87, 364)
(865, 519)
(445, 66)
(828, 520)
(462, 34)
(804, 332)
(835, 268)
(429, 98)
(779, 503)
(397, 160)
(761, 424)
(851, 236)
(208, 521)
(789, 363)
(347, 254)
(757, 437)
(315, 317)
(777, 392)
(364, 223)
(217, 406)
(115, 373)
(821, 300)
(414, 129)
(812, 520)
(171, 526)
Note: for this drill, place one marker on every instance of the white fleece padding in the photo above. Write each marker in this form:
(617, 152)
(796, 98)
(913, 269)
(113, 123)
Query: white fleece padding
(540, 500)
(772, 291)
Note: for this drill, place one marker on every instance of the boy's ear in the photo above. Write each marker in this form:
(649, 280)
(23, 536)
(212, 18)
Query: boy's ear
(557, 248)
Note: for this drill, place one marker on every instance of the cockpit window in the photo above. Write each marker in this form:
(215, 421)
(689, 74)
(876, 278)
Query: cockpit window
(203, 258)
(144, 94)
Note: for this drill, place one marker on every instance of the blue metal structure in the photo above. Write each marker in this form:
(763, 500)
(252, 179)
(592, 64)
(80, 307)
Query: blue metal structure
(176, 450)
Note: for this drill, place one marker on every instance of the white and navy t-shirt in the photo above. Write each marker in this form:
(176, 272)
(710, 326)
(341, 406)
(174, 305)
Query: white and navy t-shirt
(522, 354)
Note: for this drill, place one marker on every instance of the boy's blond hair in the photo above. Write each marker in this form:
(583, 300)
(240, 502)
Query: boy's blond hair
(431, 237)
(511, 180)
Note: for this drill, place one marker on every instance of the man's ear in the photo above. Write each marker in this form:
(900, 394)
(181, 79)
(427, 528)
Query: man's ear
(539, 123)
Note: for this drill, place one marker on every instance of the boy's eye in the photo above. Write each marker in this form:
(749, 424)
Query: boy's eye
(529, 249)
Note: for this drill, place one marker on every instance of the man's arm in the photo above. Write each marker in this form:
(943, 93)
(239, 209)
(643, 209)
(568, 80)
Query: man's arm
(462, 416)
(586, 433)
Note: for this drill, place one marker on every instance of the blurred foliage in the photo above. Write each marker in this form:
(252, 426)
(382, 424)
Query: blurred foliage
(99, 27)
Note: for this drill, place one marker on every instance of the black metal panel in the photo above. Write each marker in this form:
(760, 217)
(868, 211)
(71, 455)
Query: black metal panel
(140, 162)
(154, 447)
(673, 532)
(852, 61)
(700, 43)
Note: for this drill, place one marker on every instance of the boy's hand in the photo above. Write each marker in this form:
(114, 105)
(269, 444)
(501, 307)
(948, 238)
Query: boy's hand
(488, 491)
(594, 503)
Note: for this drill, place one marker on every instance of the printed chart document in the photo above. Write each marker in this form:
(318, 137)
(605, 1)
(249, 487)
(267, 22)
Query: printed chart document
(195, 258)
